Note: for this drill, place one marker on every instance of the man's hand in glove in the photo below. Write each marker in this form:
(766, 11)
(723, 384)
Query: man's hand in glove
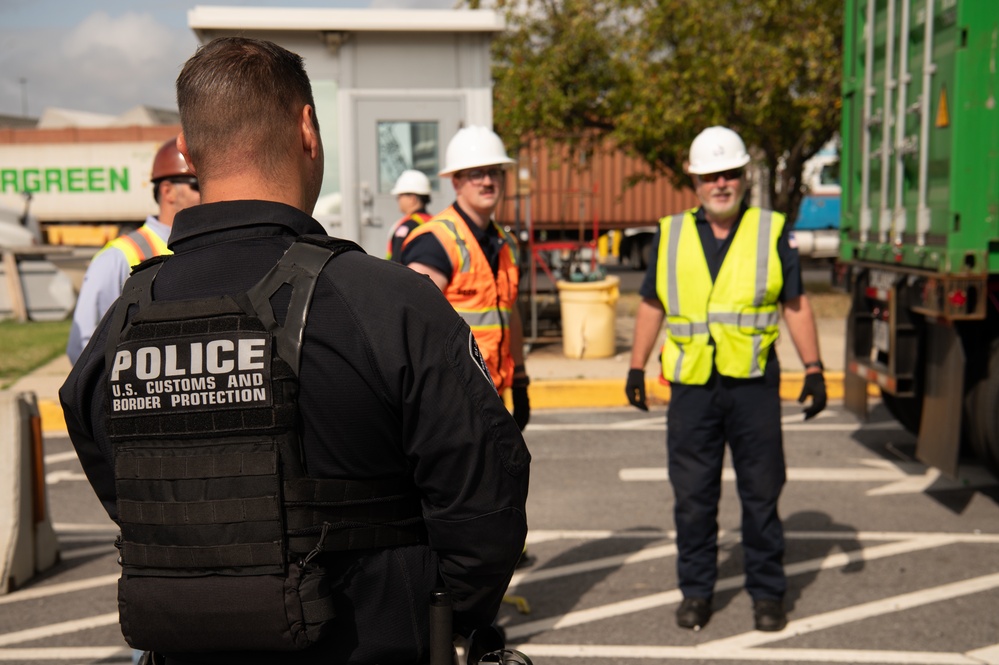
(635, 388)
(521, 402)
(815, 386)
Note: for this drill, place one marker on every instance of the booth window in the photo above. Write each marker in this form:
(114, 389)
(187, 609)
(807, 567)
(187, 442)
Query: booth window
(406, 145)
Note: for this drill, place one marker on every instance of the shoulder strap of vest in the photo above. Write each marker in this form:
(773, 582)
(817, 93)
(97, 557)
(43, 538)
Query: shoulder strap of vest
(138, 290)
(299, 268)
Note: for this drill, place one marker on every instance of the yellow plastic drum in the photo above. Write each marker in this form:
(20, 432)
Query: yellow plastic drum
(588, 315)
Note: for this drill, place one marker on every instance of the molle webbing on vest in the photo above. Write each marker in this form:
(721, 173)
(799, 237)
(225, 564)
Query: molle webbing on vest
(209, 473)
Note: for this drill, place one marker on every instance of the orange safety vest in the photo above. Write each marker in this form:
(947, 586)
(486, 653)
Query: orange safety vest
(139, 245)
(418, 217)
(484, 302)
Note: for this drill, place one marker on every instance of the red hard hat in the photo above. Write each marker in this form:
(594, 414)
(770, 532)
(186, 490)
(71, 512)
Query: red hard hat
(169, 162)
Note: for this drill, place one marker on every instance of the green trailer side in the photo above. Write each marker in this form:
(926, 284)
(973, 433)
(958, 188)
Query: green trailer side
(920, 220)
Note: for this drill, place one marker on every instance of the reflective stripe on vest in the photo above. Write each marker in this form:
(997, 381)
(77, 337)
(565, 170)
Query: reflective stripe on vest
(139, 245)
(484, 302)
(737, 314)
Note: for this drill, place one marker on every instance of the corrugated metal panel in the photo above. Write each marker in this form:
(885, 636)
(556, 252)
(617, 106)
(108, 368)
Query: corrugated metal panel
(9, 136)
(572, 197)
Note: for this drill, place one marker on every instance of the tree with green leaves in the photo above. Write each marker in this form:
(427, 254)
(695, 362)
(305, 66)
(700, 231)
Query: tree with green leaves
(648, 75)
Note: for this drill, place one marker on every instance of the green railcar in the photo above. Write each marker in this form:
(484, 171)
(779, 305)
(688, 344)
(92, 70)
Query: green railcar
(919, 231)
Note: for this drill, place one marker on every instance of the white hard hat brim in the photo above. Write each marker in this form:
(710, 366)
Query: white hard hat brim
(715, 167)
(474, 164)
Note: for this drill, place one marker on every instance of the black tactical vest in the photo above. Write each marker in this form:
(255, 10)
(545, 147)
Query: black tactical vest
(220, 521)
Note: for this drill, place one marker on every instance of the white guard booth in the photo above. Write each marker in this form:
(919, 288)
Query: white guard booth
(392, 86)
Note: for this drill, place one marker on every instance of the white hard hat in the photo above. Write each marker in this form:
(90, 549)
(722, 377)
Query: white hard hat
(474, 146)
(412, 182)
(717, 149)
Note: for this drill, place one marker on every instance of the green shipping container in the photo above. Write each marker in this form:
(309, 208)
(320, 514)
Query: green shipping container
(921, 171)
(919, 230)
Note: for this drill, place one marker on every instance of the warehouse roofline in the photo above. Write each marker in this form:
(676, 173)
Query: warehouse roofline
(344, 20)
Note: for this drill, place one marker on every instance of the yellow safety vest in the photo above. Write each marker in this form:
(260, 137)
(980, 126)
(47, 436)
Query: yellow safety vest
(485, 302)
(139, 245)
(738, 312)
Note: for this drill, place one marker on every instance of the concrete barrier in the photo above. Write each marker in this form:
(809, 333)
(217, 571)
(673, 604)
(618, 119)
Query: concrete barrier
(28, 544)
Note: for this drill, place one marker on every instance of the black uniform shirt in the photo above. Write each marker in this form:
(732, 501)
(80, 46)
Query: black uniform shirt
(428, 250)
(399, 237)
(389, 390)
(715, 251)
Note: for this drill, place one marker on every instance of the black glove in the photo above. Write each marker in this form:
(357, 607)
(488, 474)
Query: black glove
(521, 402)
(635, 389)
(815, 385)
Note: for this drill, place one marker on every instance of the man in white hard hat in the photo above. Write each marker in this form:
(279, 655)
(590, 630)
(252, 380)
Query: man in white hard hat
(474, 261)
(717, 275)
(412, 193)
(175, 188)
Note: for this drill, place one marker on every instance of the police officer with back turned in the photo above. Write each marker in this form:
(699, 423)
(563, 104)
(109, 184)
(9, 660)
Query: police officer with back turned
(716, 277)
(295, 462)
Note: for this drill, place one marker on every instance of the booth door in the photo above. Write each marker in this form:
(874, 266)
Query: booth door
(394, 135)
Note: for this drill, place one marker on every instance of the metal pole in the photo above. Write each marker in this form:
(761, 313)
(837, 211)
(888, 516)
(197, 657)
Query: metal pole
(923, 211)
(865, 153)
(884, 218)
(898, 227)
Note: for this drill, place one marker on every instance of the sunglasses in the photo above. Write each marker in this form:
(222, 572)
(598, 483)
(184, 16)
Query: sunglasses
(190, 181)
(731, 174)
(476, 176)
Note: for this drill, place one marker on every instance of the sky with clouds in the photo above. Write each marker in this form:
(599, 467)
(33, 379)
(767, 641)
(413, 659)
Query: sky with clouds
(108, 56)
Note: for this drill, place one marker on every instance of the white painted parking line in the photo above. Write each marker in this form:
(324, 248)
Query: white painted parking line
(80, 552)
(621, 651)
(71, 527)
(988, 655)
(648, 425)
(647, 554)
(791, 422)
(78, 654)
(545, 535)
(62, 628)
(813, 474)
(56, 477)
(55, 458)
(877, 608)
(901, 477)
(59, 589)
(835, 560)
(535, 536)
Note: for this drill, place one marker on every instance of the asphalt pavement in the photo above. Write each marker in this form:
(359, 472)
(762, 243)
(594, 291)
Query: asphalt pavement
(887, 561)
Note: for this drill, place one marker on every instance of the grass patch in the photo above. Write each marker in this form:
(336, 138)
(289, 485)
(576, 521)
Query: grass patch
(27, 346)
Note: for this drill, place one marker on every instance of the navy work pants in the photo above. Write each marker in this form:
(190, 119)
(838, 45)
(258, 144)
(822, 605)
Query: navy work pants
(746, 414)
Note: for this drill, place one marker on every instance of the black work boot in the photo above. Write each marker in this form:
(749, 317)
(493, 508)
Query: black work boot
(769, 615)
(693, 613)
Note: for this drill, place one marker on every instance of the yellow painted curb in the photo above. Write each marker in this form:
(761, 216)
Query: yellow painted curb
(603, 393)
(53, 419)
